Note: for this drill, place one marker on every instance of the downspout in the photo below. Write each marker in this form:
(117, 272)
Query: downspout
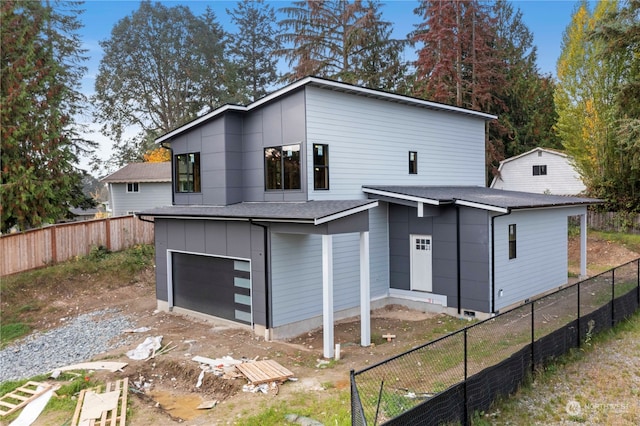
(458, 259)
(173, 191)
(493, 260)
(265, 229)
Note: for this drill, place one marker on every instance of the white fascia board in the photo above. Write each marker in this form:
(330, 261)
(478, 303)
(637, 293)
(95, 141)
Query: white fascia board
(402, 196)
(481, 206)
(321, 220)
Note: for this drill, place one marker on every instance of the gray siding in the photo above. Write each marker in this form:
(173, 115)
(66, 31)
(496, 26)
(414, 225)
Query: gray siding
(281, 122)
(296, 274)
(474, 253)
(369, 141)
(149, 195)
(541, 248)
(230, 239)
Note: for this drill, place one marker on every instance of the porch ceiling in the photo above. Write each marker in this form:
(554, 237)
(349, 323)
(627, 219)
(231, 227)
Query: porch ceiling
(475, 196)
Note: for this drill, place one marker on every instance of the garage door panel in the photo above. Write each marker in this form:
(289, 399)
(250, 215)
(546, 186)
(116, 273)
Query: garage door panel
(209, 285)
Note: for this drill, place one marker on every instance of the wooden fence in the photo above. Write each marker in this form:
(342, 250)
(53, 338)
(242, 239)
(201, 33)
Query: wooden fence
(45, 246)
(614, 222)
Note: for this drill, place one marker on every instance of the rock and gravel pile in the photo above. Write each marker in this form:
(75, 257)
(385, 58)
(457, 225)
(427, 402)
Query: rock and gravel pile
(79, 339)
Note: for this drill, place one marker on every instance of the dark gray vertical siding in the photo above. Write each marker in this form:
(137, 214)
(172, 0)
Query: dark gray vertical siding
(218, 238)
(474, 252)
(234, 167)
(474, 259)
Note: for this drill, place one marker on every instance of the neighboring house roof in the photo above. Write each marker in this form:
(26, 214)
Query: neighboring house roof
(331, 85)
(141, 172)
(475, 196)
(315, 212)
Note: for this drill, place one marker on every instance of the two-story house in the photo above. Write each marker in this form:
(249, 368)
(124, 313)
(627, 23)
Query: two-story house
(541, 170)
(324, 199)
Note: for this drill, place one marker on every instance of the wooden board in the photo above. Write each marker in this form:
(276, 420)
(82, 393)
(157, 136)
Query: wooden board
(21, 396)
(264, 372)
(115, 417)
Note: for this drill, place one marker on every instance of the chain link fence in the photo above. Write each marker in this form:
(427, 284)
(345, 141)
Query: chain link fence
(448, 379)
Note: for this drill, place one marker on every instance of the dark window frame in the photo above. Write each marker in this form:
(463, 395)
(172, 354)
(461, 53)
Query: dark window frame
(282, 168)
(540, 170)
(133, 187)
(512, 241)
(413, 162)
(320, 166)
(187, 173)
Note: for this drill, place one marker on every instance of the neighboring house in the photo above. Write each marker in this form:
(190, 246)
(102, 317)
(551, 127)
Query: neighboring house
(139, 186)
(323, 199)
(541, 170)
(80, 214)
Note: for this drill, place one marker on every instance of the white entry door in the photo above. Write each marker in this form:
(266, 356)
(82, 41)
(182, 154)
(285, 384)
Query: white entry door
(421, 272)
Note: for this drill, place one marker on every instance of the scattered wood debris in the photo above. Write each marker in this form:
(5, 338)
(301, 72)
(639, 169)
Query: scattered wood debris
(206, 405)
(264, 372)
(21, 396)
(102, 408)
(99, 365)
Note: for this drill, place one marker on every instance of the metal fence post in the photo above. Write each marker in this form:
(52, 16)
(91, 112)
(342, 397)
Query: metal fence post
(579, 285)
(464, 387)
(533, 337)
(613, 297)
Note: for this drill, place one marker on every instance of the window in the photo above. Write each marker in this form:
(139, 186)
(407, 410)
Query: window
(320, 166)
(512, 241)
(133, 187)
(413, 163)
(282, 167)
(188, 172)
(539, 170)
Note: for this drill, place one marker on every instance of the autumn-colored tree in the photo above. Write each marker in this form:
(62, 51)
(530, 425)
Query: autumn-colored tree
(342, 40)
(457, 62)
(39, 76)
(157, 155)
(585, 99)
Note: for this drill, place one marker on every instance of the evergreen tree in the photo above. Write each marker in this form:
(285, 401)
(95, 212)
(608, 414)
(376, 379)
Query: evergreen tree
(39, 76)
(162, 66)
(253, 48)
(342, 40)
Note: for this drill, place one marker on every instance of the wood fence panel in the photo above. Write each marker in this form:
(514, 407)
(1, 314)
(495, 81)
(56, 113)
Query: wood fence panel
(57, 243)
(614, 222)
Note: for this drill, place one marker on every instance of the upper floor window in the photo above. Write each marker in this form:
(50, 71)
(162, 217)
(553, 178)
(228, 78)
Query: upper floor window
(133, 187)
(282, 167)
(512, 241)
(413, 163)
(188, 172)
(320, 166)
(539, 170)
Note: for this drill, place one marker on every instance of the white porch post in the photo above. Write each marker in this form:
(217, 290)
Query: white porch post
(365, 291)
(327, 295)
(583, 246)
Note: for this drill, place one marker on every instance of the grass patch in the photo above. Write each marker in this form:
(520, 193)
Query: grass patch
(329, 409)
(25, 295)
(631, 241)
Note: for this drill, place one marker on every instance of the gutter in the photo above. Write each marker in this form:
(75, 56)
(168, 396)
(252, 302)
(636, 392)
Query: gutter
(493, 260)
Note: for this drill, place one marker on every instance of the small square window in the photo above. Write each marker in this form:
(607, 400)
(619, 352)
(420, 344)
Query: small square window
(413, 163)
(540, 170)
(133, 187)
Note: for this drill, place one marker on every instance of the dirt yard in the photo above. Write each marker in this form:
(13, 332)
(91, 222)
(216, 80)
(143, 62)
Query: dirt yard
(168, 382)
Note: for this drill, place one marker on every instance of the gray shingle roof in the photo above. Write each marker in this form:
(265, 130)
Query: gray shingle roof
(141, 172)
(481, 197)
(309, 211)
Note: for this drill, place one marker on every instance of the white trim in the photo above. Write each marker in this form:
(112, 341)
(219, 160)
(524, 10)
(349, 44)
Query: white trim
(481, 206)
(170, 280)
(401, 196)
(345, 213)
(327, 84)
(420, 209)
(583, 246)
(365, 291)
(327, 295)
